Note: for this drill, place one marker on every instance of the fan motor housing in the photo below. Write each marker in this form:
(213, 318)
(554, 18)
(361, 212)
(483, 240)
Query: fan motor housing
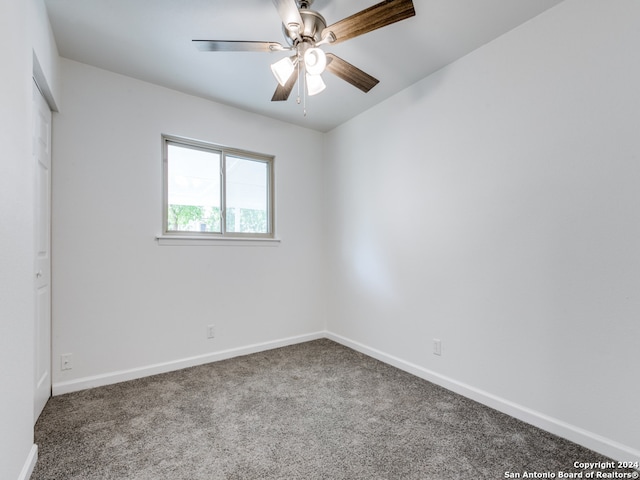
(314, 24)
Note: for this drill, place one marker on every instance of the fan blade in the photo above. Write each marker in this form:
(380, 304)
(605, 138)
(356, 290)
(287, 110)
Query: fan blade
(237, 46)
(380, 15)
(288, 11)
(349, 73)
(282, 93)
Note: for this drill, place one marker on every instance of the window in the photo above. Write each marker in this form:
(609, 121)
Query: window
(212, 191)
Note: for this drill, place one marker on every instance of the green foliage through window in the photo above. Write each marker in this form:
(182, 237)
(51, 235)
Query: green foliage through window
(249, 220)
(189, 218)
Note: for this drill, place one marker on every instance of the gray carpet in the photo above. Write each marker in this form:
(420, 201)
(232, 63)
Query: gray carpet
(316, 410)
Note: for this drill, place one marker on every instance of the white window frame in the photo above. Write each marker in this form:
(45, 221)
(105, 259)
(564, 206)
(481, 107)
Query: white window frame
(172, 237)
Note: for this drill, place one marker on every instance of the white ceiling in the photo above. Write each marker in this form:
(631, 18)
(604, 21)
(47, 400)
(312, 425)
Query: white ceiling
(151, 40)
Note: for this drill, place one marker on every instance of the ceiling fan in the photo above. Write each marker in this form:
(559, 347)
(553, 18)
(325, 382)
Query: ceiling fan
(305, 31)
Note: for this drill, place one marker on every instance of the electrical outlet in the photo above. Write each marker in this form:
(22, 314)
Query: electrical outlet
(65, 362)
(437, 346)
(211, 332)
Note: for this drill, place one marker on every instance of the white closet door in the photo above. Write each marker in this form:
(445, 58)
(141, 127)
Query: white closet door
(42, 160)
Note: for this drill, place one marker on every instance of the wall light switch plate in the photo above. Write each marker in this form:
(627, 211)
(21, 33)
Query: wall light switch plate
(437, 346)
(65, 362)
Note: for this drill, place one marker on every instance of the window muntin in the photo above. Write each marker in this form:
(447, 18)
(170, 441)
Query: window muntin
(216, 191)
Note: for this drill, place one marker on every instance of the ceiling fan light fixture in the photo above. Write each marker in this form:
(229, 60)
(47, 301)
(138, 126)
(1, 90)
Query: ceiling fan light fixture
(315, 61)
(283, 69)
(315, 84)
(305, 30)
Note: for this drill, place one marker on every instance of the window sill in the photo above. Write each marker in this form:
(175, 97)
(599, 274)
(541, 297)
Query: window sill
(185, 240)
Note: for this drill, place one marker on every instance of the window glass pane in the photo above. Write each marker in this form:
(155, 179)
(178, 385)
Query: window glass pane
(193, 196)
(247, 195)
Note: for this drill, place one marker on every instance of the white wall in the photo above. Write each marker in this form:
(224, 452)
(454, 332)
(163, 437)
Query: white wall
(16, 211)
(495, 205)
(23, 32)
(121, 302)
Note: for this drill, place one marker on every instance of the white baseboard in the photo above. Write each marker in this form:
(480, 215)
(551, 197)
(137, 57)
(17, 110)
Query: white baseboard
(578, 435)
(61, 388)
(575, 434)
(29, 464)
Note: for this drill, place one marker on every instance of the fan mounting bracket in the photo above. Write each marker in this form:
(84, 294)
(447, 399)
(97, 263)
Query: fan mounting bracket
(309, 32)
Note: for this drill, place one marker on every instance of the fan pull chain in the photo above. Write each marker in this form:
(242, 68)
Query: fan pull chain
(298, 65)
(304, 97)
